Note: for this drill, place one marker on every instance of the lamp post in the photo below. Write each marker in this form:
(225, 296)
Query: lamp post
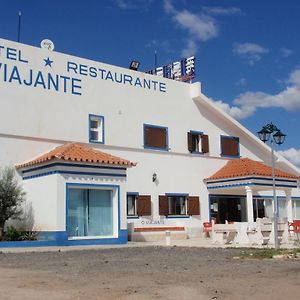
(270, 131)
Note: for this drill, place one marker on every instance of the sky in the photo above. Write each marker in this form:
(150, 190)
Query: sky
(247, 52)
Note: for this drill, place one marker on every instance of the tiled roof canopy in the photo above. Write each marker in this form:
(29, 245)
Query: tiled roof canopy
(247, 167)
(78, 153)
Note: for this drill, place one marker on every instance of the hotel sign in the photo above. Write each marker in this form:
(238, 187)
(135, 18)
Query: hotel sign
(15, 68)
(183, 70)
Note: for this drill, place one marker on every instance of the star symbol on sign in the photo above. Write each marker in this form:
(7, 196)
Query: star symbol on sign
(48, 62)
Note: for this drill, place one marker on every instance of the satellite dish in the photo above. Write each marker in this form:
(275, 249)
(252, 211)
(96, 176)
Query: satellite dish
(47, 44)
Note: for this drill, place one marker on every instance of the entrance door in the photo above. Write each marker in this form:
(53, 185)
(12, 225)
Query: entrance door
(228, 208)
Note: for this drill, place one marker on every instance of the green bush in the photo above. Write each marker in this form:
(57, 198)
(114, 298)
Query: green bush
(13, 234)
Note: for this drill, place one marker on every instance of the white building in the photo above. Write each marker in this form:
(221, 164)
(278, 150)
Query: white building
(164, 142)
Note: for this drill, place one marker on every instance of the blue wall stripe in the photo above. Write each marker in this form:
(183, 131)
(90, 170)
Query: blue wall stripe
(250, 178)
(248, 184)
(73, 173)
(61, 241)
(72, 165)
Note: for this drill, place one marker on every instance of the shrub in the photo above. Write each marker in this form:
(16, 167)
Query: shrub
(14, 234)
(11, 197)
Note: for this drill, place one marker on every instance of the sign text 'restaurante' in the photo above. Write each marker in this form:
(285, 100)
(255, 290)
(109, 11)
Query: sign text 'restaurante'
(45, 78)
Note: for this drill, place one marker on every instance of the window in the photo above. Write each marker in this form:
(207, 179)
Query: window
(178, 205)
(155, 137)
(230, 146)
(197, 142)
(131, 204)
(296, 208)
(138, 205)
(96, 129)
(90, 212)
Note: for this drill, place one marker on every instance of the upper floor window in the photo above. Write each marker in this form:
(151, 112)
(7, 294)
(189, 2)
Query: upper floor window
(230, 146)
(156, 137)
(96, 129)
(198, 142)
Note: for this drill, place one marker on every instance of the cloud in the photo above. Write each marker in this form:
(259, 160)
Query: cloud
(294, 78)
(251, 51)
(241, 82)
(292, 154)
(247, 103)
(156, 45)
(285, 52)
(200, 27)
(235, 111)
(133, 4)
(219, 11)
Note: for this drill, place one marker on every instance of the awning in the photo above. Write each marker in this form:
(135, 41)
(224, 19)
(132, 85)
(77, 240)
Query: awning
(248, 172)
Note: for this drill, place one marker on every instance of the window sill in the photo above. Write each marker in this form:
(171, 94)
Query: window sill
(133, 217)
(230, 156)
(76, 238)
(156, 148)
(96, 142)
(178, 217)
(199, 153)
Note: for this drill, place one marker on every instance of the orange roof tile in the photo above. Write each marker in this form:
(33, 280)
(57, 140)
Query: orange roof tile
(247, 167)
(78, 153)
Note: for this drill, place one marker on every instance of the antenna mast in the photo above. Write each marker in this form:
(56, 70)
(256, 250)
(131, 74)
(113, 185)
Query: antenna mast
(19, 27)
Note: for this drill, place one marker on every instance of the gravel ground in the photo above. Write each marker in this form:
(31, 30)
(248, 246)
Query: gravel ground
(146, 273)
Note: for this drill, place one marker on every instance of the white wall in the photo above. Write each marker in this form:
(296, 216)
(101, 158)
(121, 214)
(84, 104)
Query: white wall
(42, 192)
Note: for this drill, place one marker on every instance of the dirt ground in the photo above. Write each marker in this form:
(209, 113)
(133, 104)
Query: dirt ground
(146, 273)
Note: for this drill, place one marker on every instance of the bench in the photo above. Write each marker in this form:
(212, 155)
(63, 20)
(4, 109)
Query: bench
(223, 233)
(266, 227)
(153, 234)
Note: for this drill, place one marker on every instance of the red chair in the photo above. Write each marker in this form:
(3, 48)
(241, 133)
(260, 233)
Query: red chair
(207, 228)
(294, 227)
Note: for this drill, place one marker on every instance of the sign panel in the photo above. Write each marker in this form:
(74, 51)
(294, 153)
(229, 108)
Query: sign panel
(183, 70)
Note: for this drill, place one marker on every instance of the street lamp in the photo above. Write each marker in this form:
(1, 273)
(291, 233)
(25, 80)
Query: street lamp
(267, 132)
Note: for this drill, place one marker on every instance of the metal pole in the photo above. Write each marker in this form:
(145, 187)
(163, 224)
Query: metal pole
(275, 214)
(19, 27)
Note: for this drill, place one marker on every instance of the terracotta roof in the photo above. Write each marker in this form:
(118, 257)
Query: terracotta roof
(78, 153)
(247, 167)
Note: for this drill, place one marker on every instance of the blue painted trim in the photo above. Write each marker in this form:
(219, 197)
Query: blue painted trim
(209, 209)
(248, 184)
(73, 173)
(132, 193)
(227, 196)
(102, 120)
(196, 132)
(198, 153)
(229, 156)
(177, 194)
(250, 178)
(278, 197)
(72, 165)
(87, 185)
(156, 148)
(122, 239)
(232, 138)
